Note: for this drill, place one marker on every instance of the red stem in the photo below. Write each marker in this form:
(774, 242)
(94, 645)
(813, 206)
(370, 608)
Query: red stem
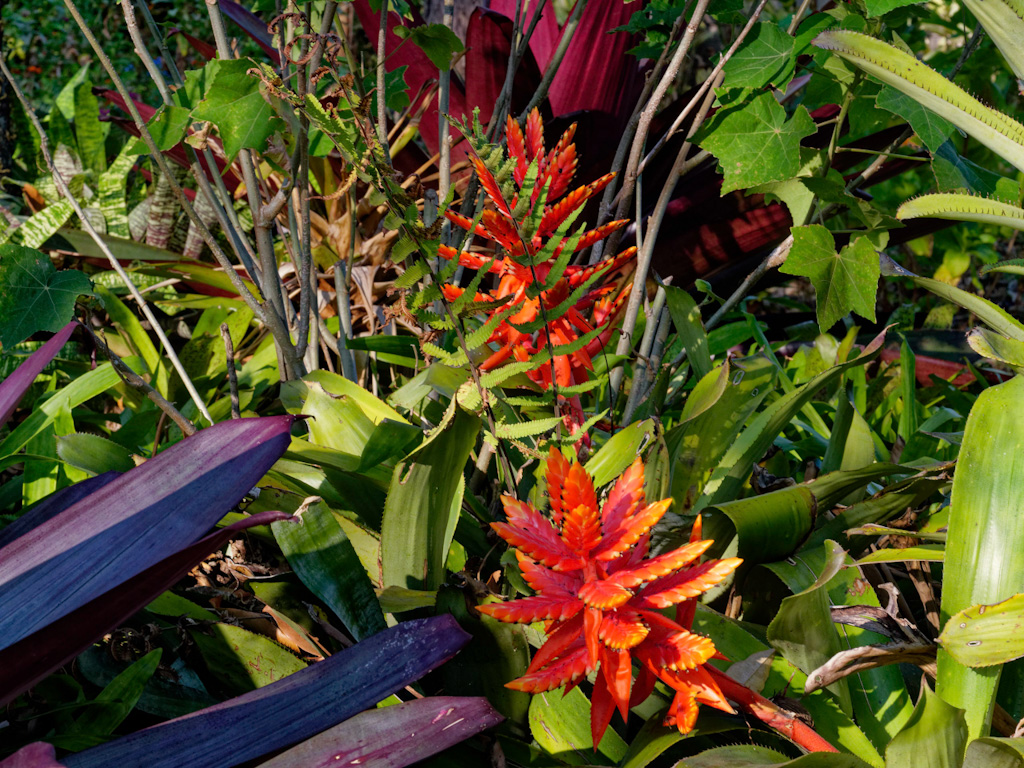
(770, 714)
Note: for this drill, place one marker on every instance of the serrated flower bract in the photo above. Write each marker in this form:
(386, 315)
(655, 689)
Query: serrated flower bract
(576, 301)
(601, 595)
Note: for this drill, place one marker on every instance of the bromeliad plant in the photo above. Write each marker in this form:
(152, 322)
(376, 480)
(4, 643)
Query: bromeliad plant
(544, 313)
(602, 594)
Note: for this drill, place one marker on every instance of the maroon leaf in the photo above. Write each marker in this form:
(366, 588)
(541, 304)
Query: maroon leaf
(35, 755)
(133, 522)
(290, 710)
(395, 736)
(29, 660)
(201, 47)
(13, 388)
(488, 43)
(545, 35)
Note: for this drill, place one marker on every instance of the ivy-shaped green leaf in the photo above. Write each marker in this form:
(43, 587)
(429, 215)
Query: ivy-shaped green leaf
(845, 281)
(33, 295)
(437, 41)
(754, 141)
(766, 56)
(234, 103)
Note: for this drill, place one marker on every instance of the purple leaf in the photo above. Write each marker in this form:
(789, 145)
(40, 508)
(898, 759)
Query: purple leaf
(53, 505)
(395, 736)
(35, 755)
(133, 522)
(253, 26)
(14, 386)
(32, 658)
(291, 710)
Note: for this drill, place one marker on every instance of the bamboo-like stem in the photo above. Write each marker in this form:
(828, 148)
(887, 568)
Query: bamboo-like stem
(133, 380)
(696, 99)
(382, 125)
(229, 357)
(345, 359)
(264, 240)
(639, 386)
(326, 22)
(643, 126)
(795, 23)
(272, 322)
(221, 202)
(443, 97)
(568, 32)
(304, 273)
(643, 266)
(58, 179)
(776, 257)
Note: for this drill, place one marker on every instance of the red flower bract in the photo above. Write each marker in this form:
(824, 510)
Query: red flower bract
(594, 308)
(601, 595)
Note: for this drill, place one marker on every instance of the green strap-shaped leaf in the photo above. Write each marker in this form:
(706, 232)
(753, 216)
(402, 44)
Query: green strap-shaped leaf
(688, 324)
(935, 735)
(423, 505)
(983, 635)
(985, 542)
(902, 71)
(318, 550)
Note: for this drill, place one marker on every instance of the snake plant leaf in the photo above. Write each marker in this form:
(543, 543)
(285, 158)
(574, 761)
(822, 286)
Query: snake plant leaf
(983, 635)
(29, 660)
(319, 697)
(962, 207)
(13, 388)
(384, 737)
(902, 71)
(131, 523)
(985, 541)
(935, 735)
(1003, 20)
(991, 752)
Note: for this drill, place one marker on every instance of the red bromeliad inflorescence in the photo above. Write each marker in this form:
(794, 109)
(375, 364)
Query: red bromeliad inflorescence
(602, 302)
(602, 596)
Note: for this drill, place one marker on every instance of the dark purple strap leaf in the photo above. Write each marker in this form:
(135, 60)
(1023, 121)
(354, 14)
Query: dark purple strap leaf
(29, 660)
(291, 710)
(395, 736)
(14, 386)
(53, 505)
(133, 522)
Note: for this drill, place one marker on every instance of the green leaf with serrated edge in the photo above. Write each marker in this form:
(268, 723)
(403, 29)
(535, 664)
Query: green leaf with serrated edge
(992, 315)
(983, 635)
(437, 41)
(991, 752)
(802, 630)
(843, 282)
(963, 207)
(996, 347)
(318, 550)
(932, 129)
(985, 542)
(765, 56)
(242, 660)
(754, 141)
(93, 453)
(34, 296)
(423, 505)
(1003, 20)
(527, 428)
(902, 71)
(935, 735)
(234, 103)
(89, 131)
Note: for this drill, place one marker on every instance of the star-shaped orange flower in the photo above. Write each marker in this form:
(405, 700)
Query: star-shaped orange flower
(602, 595)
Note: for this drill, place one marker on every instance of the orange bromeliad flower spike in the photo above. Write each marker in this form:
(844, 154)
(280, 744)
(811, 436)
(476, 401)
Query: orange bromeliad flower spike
(601, 595)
